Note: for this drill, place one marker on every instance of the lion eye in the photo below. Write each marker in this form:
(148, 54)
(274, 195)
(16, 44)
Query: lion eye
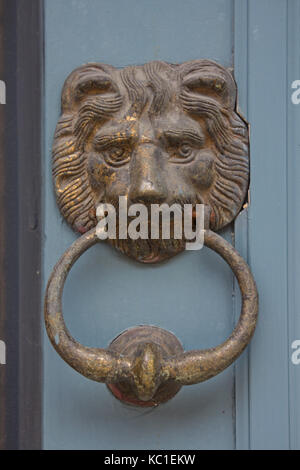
(116, 153)
(183, 153)
(116, 156)
(185, 150)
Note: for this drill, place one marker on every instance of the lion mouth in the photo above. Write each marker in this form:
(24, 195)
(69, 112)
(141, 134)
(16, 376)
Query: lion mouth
(149, 251)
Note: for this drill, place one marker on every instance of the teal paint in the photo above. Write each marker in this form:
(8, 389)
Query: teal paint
(267, 112)
(267, 61)
(181, 295)
(191, 295)
(265, 414)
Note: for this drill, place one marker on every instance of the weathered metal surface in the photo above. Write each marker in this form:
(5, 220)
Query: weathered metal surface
(149, 346)
(151, 367)
(157, 133)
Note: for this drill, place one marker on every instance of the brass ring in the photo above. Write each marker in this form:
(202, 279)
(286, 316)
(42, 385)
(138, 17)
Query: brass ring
(151, 366)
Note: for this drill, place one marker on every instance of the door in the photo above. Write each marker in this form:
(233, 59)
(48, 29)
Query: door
(106, 292)
(253, 403)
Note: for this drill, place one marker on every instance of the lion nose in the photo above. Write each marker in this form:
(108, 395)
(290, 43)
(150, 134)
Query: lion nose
(147, 191)
(147, 180)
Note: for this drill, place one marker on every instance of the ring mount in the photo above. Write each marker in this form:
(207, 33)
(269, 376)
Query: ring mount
(146, 343)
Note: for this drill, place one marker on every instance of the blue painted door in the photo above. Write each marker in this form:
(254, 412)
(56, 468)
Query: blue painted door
(253, 403)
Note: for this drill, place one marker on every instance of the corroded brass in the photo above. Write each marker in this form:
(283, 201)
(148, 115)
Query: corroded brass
(151, 367)
(149, 346)
(156, 133)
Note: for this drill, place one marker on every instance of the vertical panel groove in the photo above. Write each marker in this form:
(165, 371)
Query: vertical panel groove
(287, 220)
(293, 218)
(241, 224)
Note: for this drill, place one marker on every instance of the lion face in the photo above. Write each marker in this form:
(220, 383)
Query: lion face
(157, 133)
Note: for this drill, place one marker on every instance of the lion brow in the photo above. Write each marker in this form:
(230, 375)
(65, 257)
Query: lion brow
(114, 137)
(194, 136)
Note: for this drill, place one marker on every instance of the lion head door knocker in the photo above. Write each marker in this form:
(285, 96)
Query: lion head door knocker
(153, 134)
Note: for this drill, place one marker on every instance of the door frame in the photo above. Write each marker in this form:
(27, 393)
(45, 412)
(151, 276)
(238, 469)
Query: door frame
(21, 124)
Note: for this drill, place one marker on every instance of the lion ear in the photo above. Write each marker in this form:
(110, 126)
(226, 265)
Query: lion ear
(210, 79)
(89, 79)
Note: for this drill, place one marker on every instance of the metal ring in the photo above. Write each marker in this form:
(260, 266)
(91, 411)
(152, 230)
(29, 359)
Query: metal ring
(148, 366)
